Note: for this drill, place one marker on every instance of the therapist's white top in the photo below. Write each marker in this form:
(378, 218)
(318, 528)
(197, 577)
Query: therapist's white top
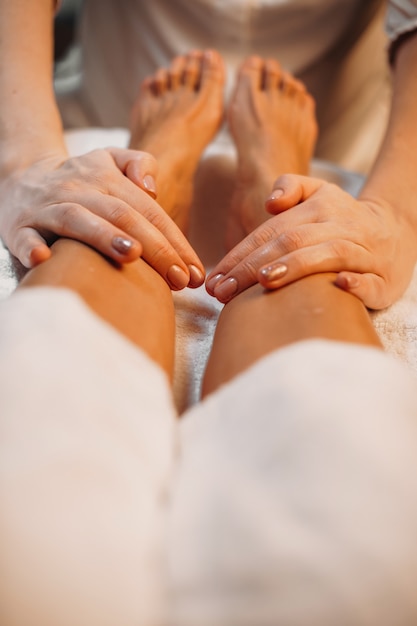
(338, 47)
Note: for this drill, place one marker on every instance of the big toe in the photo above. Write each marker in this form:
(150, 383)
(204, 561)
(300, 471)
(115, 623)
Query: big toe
(212, 68)
(192, 69)
(251, 72)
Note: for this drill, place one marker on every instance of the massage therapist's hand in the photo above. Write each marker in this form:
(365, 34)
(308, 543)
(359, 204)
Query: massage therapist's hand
(103, 199)
(317, 227)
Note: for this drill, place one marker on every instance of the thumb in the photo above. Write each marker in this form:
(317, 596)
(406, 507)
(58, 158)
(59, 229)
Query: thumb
(371, 289)
(289, 190)
(29, 247)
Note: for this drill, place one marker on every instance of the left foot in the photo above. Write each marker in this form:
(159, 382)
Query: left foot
(177, 114)
(272, 121)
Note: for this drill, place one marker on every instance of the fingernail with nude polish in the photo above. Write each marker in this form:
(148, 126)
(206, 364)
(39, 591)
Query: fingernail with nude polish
(226, 290)
(150, 185)
(122, 245)
(347, 282)
(212, 282)
(196, 276)
(177, 278)
(274, 272)
(275, 195)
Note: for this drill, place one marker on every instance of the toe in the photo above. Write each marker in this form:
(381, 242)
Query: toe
(288, 84)
(251, 71)
(300, 87)
(159, 84)
(272, 74)
(192, 70)
(212, 68)
(146, 86)
(176, 72)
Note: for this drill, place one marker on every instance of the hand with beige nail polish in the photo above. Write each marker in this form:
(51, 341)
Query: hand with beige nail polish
(317, 227)
(105, 199)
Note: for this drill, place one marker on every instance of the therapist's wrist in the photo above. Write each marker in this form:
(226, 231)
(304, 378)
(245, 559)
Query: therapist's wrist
(17, 156)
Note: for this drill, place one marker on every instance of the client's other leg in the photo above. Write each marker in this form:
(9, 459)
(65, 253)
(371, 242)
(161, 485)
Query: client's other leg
(296, 495)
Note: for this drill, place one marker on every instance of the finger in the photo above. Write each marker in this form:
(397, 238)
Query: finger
(371, 289)
(29, 247)
(288, 231)
(104, 222)
(143, 205)
(289, 190)
(273, 270)
(140, 167)
(75, 221)
(164, 253)
(328, 256)
(252, 242)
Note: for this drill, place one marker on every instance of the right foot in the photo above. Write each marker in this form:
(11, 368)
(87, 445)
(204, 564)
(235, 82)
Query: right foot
(272, 121)
(176, 115)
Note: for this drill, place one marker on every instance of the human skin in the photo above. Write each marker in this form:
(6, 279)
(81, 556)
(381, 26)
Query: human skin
(370, 242)
(31, 144)
(135, 300)
(67, 500)
(46, 194)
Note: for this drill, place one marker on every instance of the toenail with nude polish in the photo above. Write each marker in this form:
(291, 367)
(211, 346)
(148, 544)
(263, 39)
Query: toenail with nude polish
(208, 55)
(196, 276)
(226, 290)
(212, 282)
(275, 271)
(150, 185)
(122, 245)
(177, 278)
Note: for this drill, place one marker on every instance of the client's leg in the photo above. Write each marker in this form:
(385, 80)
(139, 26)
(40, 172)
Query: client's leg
(272, 120)
(295, 497)
(87, 424)
(133, 298)
(295, 494)
(87, 420)
(177, 113)
(257, 322)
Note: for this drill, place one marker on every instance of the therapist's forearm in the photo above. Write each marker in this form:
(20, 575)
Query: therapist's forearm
(393, 178)
(30, 124)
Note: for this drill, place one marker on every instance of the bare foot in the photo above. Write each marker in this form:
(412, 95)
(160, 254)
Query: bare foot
(177, 114)
(272, 121)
